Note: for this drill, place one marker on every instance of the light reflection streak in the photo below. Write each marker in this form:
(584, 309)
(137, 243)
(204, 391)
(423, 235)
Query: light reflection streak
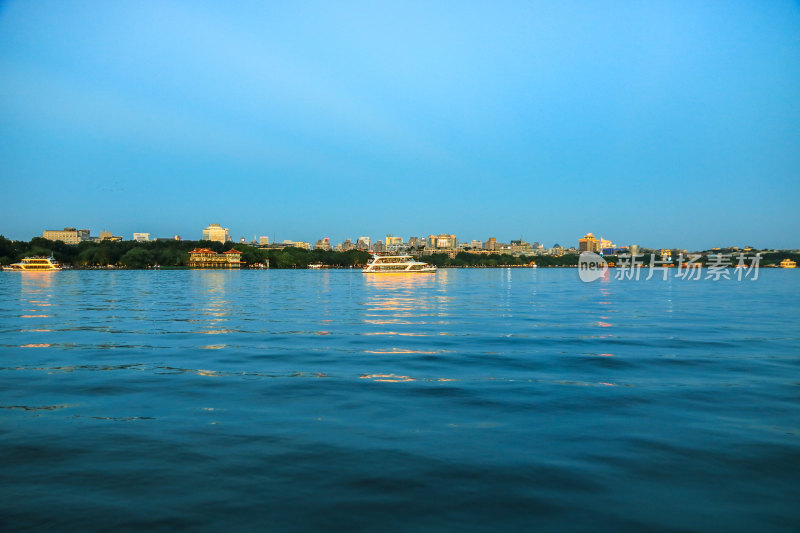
(405, 303)
(401, 351)
(396, 378)
(217, 307)
(398, 333)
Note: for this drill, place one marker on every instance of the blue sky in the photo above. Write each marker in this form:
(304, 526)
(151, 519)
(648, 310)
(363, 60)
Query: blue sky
(659, 123)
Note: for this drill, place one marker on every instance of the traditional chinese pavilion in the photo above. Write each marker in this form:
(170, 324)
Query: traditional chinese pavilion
(205, 258)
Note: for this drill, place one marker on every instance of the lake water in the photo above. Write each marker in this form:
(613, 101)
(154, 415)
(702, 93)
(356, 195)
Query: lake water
(468, 400)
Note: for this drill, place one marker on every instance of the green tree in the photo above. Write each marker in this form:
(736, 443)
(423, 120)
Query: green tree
(137, 258)
(284, 260)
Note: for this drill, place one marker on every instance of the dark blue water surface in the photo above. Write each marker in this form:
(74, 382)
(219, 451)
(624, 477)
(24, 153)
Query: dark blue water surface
(468, 400)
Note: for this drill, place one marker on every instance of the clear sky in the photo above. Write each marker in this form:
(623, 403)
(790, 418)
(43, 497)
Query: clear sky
(662, 123)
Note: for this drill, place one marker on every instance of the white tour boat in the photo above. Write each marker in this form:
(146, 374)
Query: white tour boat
(34, 264)
(396, 264)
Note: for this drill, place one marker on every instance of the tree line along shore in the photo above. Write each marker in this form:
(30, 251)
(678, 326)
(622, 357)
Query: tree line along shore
(175, 254)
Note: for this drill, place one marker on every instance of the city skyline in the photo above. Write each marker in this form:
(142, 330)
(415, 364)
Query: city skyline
(672, 124)
(215, 232)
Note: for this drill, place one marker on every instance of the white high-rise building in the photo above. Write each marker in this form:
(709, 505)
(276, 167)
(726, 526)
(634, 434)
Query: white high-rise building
(363, 243)
(215, 232)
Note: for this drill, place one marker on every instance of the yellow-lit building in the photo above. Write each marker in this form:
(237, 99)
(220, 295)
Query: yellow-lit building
(788, 263)
(67, 235)
(108, 236)
(205, 258)
(297, 244)
(215, 232)
(589, 243)
(442, 241)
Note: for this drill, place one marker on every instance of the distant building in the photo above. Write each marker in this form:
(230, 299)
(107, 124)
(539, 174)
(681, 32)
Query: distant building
(141, 237)
(490, 244)
(323, 244)
(520, 247)
(215, 232)
(297, 244)
(442, 241)
(108, 236)
(363, 243)
(417, 242)
(67, 235)
(589, 244)
(379, 247)
(263, 240)
(347, 245)
(205, 258)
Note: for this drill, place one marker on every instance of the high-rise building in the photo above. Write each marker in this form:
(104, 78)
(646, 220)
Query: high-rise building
(394, 244)
(263, 240)
(442, 241)
(67, 235)
(347, 245)
(589, 243)
(490, 244)
(363, 243)
(214, 232)
(323, 244)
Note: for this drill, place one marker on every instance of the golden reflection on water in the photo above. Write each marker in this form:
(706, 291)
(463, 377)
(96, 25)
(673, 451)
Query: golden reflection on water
(35, 291)
(216, 307)
(401, 351)
(606, 299)
(403, 281)
(398, 378)
(410, 304)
